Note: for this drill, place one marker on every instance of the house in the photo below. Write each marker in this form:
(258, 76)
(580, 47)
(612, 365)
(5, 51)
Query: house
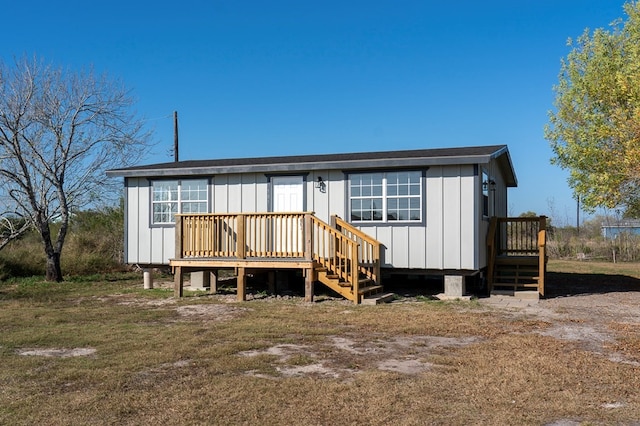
(626, 227)
(423, 210)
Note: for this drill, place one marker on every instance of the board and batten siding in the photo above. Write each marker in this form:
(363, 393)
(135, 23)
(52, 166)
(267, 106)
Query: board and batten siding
(448, 236)
(239, 193)
(145, 244)
(451, 235)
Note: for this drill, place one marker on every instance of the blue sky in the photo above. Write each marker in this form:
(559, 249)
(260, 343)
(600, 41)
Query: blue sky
(284, 77)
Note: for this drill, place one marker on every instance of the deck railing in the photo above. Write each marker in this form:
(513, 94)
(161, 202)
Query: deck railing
(274, 235)
(369, 248)
(335, 252)
(342, 249)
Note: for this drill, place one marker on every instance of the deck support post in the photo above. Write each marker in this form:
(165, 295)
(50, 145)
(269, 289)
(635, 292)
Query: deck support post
(241, 284)
(147, 278)
(178, 281)
(213, 282)
(309, 279)
(271, 281)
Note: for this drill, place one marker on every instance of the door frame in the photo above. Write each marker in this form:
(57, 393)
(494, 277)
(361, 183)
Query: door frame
(270, 200)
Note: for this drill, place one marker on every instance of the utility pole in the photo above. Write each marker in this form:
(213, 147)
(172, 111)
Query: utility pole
(578, 215)
(175, 136)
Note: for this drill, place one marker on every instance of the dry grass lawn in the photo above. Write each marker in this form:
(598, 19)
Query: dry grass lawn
(105, 351)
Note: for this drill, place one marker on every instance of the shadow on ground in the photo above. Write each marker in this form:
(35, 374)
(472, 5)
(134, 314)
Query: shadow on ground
(560, 284)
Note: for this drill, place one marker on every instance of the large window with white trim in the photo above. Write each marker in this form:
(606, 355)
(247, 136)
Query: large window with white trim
(385, 197)
(178, 196)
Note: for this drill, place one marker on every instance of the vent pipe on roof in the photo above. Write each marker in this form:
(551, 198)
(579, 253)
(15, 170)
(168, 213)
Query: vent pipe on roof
(175, 136)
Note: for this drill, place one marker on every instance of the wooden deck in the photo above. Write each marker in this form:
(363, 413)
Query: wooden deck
(517, 257)
(337, 255)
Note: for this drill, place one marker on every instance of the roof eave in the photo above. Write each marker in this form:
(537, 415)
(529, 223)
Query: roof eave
(307, 166)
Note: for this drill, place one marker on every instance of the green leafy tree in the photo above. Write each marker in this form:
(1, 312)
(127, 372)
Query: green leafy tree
(595, 129)
(59, 132)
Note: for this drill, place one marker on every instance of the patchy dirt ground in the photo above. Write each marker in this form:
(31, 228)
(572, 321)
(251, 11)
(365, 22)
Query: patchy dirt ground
(586, 310)
(590, 310)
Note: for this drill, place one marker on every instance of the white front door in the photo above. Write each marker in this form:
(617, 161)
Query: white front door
(288, 197)
(288, 193)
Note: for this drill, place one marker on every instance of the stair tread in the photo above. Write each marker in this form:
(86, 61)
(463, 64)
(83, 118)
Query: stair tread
(532, 285)
(369, 288)
(513, 277)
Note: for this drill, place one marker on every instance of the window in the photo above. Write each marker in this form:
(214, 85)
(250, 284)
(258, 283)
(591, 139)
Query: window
(173, 196)
(366, 196)
(386, 197)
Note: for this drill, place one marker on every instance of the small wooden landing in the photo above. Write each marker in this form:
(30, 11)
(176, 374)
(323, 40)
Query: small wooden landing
(377, 299)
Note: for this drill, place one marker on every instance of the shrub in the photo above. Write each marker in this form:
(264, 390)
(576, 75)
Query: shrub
(94, 245)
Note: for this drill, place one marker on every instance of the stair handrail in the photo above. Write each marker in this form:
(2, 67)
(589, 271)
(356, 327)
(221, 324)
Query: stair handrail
(542, 254)
(491, 251)
(336, 252)
(369, 261)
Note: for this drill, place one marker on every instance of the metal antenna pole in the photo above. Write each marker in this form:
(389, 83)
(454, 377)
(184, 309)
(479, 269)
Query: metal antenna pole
(175, 136)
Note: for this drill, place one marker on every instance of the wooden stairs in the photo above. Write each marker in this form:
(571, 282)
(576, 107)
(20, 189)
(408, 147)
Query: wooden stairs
(365, 286)
(517, 259)
(516, 273)
(353, 269)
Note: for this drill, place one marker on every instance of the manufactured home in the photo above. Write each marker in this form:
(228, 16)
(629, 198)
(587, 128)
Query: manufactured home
(344, 220)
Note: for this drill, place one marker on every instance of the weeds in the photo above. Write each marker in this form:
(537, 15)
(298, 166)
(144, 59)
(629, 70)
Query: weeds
(147, 358)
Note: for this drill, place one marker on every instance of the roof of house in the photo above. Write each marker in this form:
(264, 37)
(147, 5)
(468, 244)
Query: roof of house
(345, 161)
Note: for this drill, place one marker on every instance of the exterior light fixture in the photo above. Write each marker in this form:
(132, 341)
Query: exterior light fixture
(489, 185)
(321, 185)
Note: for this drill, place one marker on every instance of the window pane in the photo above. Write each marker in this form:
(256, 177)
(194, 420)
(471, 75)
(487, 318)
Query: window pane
(404, 194)
(198, 207)
(366, 196)
(164, 201)
(193, 194)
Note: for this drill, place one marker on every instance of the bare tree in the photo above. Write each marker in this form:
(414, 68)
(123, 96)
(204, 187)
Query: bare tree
(11, 228)
(59, 131)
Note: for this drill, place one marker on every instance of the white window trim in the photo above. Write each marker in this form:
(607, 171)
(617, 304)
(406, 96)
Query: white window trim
(385, 197)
